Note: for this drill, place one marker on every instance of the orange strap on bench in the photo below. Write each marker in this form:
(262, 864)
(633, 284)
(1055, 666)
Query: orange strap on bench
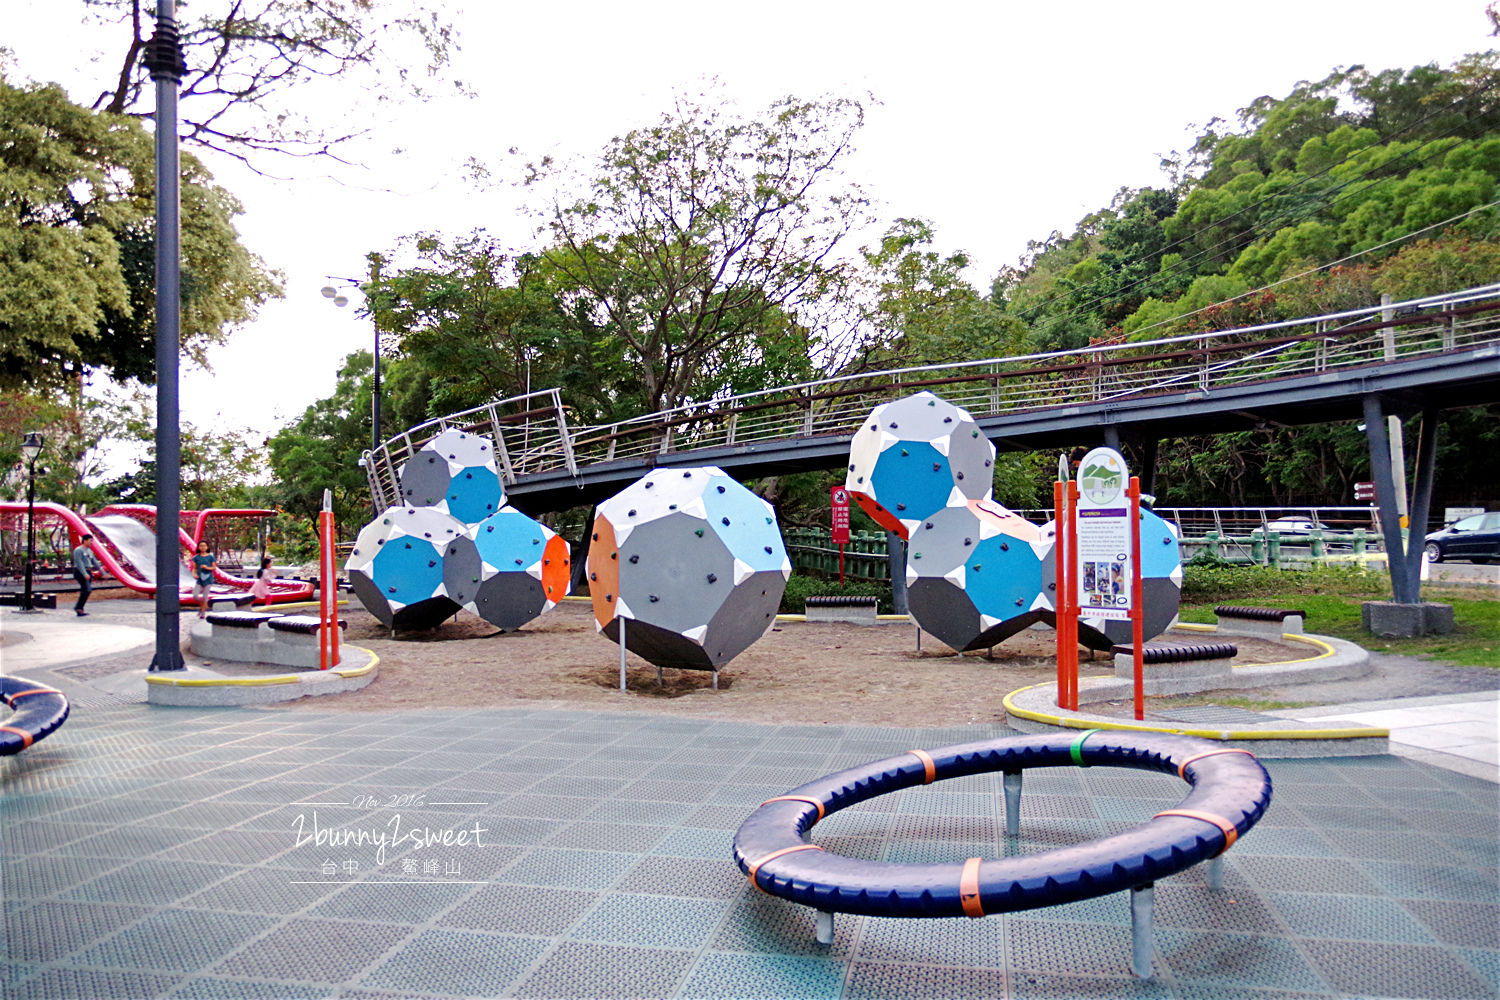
(928, 764)
(776, 854)
(1182, 768)
(10, 699)
(797, 798)
(968, 889)
(1230, 833)
(25, 736)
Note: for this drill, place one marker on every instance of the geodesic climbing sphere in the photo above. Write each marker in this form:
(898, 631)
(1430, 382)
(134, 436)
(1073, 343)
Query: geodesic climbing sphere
(396, 568)
(507, 569)
(692, 562)
(913, 457)
(1161, 586)
(974, 574)
(456, 473)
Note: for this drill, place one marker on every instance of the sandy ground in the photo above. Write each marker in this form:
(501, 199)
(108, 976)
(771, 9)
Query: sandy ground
(798, 671)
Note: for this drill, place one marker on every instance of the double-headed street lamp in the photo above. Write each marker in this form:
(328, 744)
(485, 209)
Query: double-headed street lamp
(341, 300)
(31, 447)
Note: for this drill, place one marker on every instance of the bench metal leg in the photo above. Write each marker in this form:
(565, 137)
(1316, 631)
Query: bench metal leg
(1012, 785)
(1215, 872)
(1140, 929)
(825, 927)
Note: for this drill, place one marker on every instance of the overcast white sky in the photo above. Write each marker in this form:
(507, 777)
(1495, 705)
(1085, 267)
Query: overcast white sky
(999, 122)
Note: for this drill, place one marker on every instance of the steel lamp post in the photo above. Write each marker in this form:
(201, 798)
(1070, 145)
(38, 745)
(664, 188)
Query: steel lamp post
(31, 447)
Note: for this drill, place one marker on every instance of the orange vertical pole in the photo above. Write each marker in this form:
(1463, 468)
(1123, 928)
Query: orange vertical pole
(1060, 563)
(1137, 627)
(328, 621)
(1073, 609)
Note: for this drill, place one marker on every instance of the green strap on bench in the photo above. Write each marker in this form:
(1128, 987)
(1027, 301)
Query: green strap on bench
(1076, 750)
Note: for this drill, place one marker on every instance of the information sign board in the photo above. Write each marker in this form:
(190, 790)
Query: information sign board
(1102, 562)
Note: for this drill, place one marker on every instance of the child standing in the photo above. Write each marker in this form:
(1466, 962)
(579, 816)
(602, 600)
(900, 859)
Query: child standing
(263, 580)
(203, 577)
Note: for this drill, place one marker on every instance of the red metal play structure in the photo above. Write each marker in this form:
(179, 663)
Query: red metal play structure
(125, 542)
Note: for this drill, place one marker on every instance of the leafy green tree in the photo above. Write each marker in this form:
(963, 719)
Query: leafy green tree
(76, 259)
(703, 240)
(244, 58)
(476, 322)
(921, 308)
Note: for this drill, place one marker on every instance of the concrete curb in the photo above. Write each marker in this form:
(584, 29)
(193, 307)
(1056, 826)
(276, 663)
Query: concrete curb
(1034, 709)
(200, 687)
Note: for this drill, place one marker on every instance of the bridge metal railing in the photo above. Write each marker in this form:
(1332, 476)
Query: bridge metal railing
(537, 438)
(530, 432)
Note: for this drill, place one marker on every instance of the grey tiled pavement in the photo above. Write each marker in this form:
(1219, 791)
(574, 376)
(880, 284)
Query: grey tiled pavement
(151, 852)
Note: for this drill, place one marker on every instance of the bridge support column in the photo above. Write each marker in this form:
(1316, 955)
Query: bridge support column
(895, 554)
(1385, 496)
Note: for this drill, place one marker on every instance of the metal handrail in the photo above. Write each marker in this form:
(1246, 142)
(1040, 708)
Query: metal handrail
(1199, 362)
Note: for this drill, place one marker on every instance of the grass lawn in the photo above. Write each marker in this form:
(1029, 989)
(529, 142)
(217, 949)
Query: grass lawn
(1332, 598)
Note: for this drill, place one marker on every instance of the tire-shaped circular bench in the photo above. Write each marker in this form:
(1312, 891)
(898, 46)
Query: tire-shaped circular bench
(38, 711)
(1229, 793)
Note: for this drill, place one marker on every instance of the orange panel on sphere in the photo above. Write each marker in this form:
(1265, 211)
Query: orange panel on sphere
(604, 572)
(557, 568)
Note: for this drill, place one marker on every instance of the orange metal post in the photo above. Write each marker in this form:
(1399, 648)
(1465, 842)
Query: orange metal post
(1072, 598)
(1137, 634)
(1060, 561)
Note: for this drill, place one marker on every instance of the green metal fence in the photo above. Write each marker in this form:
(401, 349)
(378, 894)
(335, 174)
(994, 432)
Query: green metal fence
(812, 551)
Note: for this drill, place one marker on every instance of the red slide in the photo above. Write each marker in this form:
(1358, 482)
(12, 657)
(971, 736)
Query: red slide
(125, 542)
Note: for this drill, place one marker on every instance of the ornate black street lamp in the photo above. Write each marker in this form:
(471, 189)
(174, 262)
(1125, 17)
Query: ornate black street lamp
(31, 447)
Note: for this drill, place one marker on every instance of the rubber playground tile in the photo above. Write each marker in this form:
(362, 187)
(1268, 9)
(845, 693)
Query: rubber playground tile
(632, 837)
(262, 890)
(1473, 925)
(581, 969)
(88, 984)
(176, 941)
(976, 944)
(661, 921)
(1450, 882)
(1351, 918)
(744, 975)
(393, 901)
(323, 951)
(1213, 959)
(465, 963)
(50, 930)
(548, 866)
(1065, 948)
(764, 925)
(1036, 986)
(1413, 972)
(210, 988)
(159, 882)
(519, 909)
(876, 981)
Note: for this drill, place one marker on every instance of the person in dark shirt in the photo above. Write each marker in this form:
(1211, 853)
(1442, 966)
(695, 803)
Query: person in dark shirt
(85, 565)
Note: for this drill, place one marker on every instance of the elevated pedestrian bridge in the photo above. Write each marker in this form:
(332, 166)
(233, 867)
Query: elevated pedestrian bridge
(1426, 354)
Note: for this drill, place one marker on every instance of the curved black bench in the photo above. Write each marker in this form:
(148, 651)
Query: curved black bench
(1256, 614)
(1181, 654)
(240, 619)
(300, 624)
(38, 709)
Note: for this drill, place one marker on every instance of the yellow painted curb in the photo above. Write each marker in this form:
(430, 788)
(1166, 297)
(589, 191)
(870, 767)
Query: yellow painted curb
(1095, 722)
(223, 681)
(358, 671)
(268, 680)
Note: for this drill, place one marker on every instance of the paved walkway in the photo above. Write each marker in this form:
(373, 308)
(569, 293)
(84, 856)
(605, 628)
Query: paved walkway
(242, 852)
(1459, 732)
